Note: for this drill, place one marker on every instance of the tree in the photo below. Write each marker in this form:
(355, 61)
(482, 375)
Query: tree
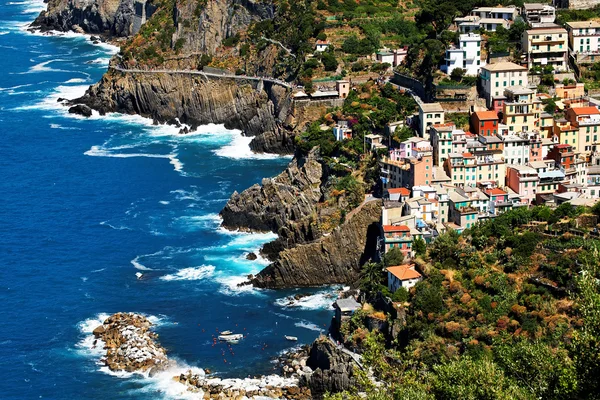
(457, 74)
(393, 257)
(400, 295)
(419, 246)
(371, 276)
(329, 61)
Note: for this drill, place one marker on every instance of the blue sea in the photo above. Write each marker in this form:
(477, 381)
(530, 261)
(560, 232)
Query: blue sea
(88, 203)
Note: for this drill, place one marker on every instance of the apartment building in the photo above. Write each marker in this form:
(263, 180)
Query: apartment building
(586, 120)
(441, 140)
(407, 172)
(544, 46)
(465, 55)
(584, 41)
(497, 77)
(521, 109)
(516, 149)
(484, 123)
(523, 180)
(536, 14)
(429, 114)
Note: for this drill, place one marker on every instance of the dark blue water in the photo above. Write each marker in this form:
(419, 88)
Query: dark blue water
(87, 203)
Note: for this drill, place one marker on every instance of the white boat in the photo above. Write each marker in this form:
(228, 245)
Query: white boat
(291, 338)
(226, 333)
(234, 337)
(139, 275)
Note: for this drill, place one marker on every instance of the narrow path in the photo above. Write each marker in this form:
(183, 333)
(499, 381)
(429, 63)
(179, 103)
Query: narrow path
(277, 42)
(202, 73)
(368, 198)
(355, 357)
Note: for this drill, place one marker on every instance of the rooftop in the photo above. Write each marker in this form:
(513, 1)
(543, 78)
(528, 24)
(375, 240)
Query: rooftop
(349, 304)
(495, 192)
(553, 28)
(504, 66)
(585, 110)
(402, 191)
(431, 107)
(396, 228)
(583, 24)
(404, 272)
(486, 115)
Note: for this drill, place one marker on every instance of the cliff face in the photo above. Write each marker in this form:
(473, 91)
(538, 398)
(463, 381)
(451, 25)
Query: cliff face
(196, 101)
(110, 17)
(279, 202)
(330, 259)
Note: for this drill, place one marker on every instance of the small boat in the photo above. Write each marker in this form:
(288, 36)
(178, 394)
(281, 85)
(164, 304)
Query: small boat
(139, 275)
(234, 337)
(226, 333)
(291, 338)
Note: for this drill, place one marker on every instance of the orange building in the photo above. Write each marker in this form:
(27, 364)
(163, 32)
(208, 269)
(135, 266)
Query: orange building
(484, 123)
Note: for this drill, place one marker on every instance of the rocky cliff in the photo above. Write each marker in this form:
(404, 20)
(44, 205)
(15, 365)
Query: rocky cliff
(109, 17)
(194, 100)
(331, 259)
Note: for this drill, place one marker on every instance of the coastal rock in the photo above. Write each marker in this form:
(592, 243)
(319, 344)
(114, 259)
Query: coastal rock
(81, 109)
(251, 256)
(193, 100)
(130, 345)
(332, 369)
(108, 17)
(329, 260)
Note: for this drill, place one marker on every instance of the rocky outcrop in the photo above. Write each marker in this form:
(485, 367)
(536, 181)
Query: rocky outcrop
(108, 17)
(332, 259)
(194, 100)
(273, 206)
(333, 370)
(130, 344)
(81, 109)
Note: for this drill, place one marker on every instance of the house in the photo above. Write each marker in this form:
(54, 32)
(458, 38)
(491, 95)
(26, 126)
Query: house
(429, 114)
(441, 140)
(398, 194)
(522, 180)
(584, 41)
(397, 237)
(402, 276)
(322, 45)
(586, 120)
(375, 142)
(467, 55)
(498, 200)
(538, 13)
(498, 76)
(407, 172)
(343, 88)
(521, 109)
(392, 126)
(385, 56)
(344, 309)
(546, 46)
(341, 131)
(571, 91)
(484, 123)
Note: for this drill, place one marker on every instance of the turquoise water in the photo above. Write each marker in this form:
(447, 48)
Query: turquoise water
(87, 203)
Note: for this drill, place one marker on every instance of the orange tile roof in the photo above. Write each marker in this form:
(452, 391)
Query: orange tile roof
(402, 191)
(404, 272)
(585, 110)
(468, 155)
(396, 228)
(486, 115)
(495, 191)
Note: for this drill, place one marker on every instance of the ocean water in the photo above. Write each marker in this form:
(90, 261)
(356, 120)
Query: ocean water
(87, 203)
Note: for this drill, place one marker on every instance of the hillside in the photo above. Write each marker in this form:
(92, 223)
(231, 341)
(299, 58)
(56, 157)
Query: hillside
(507, 310)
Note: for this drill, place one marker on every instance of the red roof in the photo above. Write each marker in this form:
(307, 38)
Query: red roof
(468, 155)
(562, 146)
(486, 115)
(402, 191)
(322, 42)
(585, 110)
(496, 192)
(404, 272)
(396, 228)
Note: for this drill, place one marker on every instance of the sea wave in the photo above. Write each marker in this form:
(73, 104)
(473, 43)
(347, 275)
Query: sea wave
(308, 325)
(190, 274)
(239, 148)
(322, 300)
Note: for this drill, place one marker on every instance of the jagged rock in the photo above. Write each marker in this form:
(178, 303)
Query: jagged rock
(81, 109)
(99, 331)
(332, 369)
(251, 256)
(112, 17)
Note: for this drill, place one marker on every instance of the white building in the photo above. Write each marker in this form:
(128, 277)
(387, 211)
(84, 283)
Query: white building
(516, 149)
(496, 77)
(466, 56)
(538, 13)
(322, 45)
(402, 276)
(584, 41)
(429, 114)
(546, 45)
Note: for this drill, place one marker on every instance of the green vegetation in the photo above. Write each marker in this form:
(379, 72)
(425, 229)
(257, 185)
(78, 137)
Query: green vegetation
(510, 309)
(563, 16)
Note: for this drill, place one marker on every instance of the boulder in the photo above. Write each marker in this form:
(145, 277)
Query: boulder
(251, 256)
(81, 109)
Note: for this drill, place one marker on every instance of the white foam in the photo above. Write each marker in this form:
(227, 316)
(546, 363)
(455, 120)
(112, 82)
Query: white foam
(190, 274)
(164, 202)
(117, 228)
(239, 148)
(192, 223)
(139, 266)
(308, 325)
(76, 80)
(229, 285)
(318, 301)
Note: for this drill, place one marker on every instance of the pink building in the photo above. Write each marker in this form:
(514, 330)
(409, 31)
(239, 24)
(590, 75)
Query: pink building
(535, 147)
(523, 180)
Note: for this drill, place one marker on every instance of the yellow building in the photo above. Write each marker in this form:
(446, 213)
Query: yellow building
(546, 46)
(521, 110)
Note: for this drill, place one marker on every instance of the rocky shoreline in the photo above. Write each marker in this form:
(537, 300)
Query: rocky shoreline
(308, 372)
